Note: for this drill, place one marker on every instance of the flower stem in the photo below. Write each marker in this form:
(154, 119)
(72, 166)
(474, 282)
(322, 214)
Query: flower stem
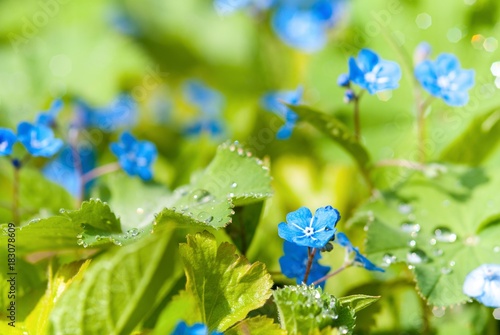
(357, 122)
(100, 171)
(422, 106)
(309, 262)
(336, 272)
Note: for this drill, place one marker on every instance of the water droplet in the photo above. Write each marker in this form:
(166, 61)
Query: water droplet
(496, 249)
(182, 190)
(432, 241)
(343, 330)
(62, 211)
(139, 211)
(446, 270)
(133, 232)
(412, 243)
(80, 242)
(388, 259)
(417, 256)
(472, 241)
(205, 217)
(405, 208)
(232, 147)
(438, 252)
(452, 263)
(444, 234)
(438, 312)
(241, 152)
(79, 236)
(116, 242)
(410, 227)
(98, 237)
(230, 195)
(85, 245)
(234, 185)
(201, 196)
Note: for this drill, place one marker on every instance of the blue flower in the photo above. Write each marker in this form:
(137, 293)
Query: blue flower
(294, 263)
(308, 231)
(373, 74)
(67, 172)
(305, 24)
(197, 329)
(39, 140)
(483, 284)
(135, 157)
(444, 79)
(225, 7)
(359, 259)
(210, 104)
(7, 140)
(120, 113)
(48, 118)
(275, 101)
(343, 80)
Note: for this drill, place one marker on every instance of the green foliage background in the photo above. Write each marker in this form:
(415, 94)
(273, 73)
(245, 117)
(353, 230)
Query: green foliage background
(76, 52)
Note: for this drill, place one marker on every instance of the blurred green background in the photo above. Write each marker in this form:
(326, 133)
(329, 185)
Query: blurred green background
(95, 49)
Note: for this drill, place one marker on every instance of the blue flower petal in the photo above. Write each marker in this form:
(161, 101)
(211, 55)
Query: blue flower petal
(483, 284)
(367, 60)
(7, 140)
(301, 217)
(326, 217)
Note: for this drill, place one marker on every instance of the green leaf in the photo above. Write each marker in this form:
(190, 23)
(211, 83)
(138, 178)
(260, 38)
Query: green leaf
(225, 286)
(37, 195)
(307, 310)
(38, 320)
(407, 224)
(256, 326)
(477, 142)
(233, 178)
(244, 225)
(358, 302)
(119, 288)
(182, 307)
(336, 130)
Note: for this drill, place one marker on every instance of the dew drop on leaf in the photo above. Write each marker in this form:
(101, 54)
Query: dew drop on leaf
(444, 234)
(388, 259)
(343, 330)
(133, 232)
(410, 227)
(438, 312)
(62, 211)
(405, 208)
(446, 270)
(80, 242)
(234, 185)
(417, 256)
(437, 252)
(98, 237)
(201, 196)
(412, 243)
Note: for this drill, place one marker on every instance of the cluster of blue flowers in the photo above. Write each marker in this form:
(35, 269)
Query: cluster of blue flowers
(442, 78)
(74, 160)
(302, 24)
(306, 236)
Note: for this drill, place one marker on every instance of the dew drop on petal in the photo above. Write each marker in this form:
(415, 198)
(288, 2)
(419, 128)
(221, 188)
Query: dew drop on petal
(417, 256)
(444, 234)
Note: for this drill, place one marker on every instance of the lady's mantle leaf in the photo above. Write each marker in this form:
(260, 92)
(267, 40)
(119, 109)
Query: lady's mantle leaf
(225, 286)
